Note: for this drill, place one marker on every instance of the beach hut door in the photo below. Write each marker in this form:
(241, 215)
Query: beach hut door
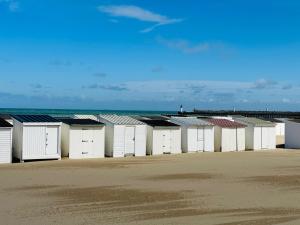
(129, 140)
(166, 141)
(200, 139)
(51, 140)
(87, 142)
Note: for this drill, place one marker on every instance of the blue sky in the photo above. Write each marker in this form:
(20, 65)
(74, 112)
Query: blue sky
(150, 55)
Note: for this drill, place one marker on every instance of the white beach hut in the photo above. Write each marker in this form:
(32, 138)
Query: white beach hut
(124, 136)
(292, 133)
(260, 134)
(82, 138)
(36, 137)
(163, 137)
(229, 135)
(280, 126)
(5, 142)
(196, 135)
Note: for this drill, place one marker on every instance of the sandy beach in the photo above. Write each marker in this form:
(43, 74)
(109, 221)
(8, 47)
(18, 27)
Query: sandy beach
(201, 188)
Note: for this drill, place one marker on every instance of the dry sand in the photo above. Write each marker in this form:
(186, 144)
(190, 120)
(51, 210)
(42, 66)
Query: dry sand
(239, 188)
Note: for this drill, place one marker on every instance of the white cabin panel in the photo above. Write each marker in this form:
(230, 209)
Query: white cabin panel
(229, 139)
(34, 142)
(257, 138)
(240, 133)
(166, 141)
(175, 141)
(209, 139)
(280, 129)
(119, 141)
(200, 139)
(157, 141)
(264, 138)
(52, 140)
(161, 141)
(129, 140)
(140, 140)
(5, 145)
(292, 137)
(192, 137)
(272, 138)
(99, 142)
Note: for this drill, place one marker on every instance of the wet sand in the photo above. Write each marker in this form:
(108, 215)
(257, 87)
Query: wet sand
(238, 188)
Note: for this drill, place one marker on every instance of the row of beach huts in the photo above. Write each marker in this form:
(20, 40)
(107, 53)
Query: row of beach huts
(41, 137)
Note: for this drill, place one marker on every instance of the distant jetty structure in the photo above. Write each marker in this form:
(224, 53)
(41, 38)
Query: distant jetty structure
(258, 114)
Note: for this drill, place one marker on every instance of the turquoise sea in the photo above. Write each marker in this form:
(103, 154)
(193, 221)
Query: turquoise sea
(79, 111)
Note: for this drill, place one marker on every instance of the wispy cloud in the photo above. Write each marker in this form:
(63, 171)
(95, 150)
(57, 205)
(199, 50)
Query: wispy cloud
(58, 62)
(187, 47)
(203, 92)
(138, 13)
(100, 75)
(38, 86)
(13, 6)
(40, 100)
(287, 87)
(286, 100)
(106, 87)
(264, 83)
(159, 93)
(157, 69)
(196, 89)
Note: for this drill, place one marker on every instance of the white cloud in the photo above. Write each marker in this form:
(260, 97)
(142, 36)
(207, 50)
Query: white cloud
(135, 12)
(12, 5)
(197, 91)
(187, 47)
(286, 100)
(166, 93)
(263, 84)
(157, 69)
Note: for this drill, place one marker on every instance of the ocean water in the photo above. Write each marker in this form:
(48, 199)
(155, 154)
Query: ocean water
(78, 111)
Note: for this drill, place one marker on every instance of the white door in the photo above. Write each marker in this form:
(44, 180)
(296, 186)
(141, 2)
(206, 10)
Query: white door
(264, 137)
(166, 141)
(34, 142)
(200, 139)
(129, 140)
(208, 139)
(5, 146)
(51, 140)
(87, 142)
